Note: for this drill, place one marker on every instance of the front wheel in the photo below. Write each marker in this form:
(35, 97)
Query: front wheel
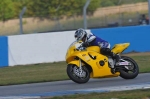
(133, 70)
(77, 75)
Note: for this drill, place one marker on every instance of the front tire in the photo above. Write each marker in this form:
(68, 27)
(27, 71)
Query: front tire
(76, 75)
(133, 72)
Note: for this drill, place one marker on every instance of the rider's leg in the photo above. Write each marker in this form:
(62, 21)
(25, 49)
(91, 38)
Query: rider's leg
(107, 51)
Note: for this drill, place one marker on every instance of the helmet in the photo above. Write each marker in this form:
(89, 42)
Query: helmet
(80, 34)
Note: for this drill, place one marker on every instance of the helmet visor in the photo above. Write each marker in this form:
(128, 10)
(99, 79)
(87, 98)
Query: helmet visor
(75, 37)
(78, 36)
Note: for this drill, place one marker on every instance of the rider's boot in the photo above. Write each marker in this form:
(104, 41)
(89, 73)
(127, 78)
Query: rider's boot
(116, 57)
(107, 51)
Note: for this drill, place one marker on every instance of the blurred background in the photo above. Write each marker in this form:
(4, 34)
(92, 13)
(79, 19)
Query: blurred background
(62, 15)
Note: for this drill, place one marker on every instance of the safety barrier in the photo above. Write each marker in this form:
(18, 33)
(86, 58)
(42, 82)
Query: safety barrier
(3, 51)
(52, 47)
(138, 36)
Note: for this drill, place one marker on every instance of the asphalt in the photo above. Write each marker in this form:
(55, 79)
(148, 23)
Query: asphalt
(52, 88)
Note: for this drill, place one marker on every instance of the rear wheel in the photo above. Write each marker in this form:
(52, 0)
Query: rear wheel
(132, 71)
(77, 75)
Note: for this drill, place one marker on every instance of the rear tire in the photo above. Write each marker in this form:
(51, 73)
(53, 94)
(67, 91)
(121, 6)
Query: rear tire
(134, 72)
(73, 73)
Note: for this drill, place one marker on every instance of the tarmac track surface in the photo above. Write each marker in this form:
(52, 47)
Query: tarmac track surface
(68, 85)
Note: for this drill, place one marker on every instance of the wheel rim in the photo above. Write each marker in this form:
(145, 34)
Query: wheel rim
(80, 74)
(131, 68)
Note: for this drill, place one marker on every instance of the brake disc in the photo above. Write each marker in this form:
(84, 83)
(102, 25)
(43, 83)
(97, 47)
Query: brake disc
(78, 72)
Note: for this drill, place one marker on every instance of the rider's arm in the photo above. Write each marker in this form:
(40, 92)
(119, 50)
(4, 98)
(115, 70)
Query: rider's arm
(90, 38)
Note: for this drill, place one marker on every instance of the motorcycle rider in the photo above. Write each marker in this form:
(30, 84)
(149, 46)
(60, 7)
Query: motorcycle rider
(89, 39)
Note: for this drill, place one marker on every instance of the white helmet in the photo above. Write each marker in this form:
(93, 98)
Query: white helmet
(79, 34)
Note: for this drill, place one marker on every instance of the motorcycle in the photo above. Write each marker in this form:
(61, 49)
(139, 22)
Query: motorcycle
(85, 63)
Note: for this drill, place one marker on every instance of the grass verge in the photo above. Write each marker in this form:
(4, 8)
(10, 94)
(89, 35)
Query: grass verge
(48, 72)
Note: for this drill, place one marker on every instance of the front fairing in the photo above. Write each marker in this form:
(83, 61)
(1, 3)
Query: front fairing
(72, 49)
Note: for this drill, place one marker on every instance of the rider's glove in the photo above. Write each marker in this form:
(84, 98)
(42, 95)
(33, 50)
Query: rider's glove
(85, 44)
(78, 48)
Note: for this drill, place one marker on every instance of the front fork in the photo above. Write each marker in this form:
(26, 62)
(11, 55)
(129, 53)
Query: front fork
(80, 67)
(79, 71)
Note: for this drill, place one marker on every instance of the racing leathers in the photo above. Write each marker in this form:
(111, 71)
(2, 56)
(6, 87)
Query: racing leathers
(92, 40)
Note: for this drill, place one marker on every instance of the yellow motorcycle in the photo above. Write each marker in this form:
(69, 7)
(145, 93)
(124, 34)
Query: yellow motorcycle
(85, 63)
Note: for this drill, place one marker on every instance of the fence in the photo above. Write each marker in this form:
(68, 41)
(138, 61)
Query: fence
(124, 15)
